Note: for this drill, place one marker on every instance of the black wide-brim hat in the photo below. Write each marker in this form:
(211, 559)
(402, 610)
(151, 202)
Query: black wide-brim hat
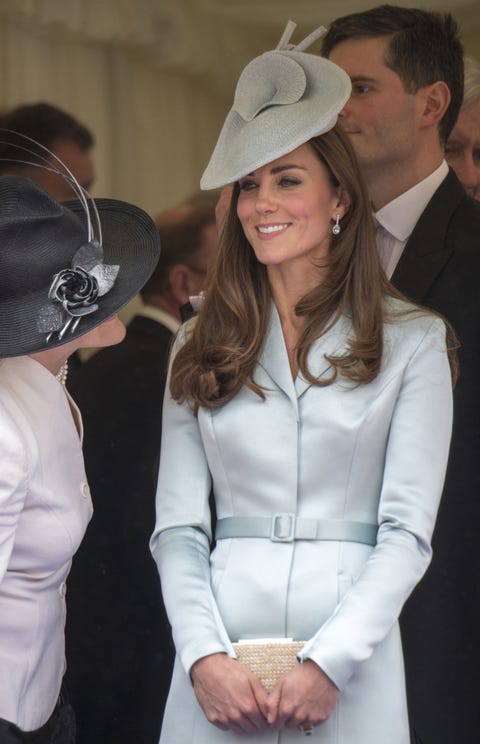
(39, 240)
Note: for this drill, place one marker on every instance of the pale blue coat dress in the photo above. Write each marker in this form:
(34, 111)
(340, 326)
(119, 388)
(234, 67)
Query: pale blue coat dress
(373, 453)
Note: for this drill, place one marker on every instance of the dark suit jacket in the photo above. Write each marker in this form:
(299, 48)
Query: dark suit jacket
(440, 268)
(119, 649)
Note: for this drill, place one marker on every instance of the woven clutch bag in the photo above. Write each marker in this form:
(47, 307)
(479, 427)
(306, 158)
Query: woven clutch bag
(268, 660)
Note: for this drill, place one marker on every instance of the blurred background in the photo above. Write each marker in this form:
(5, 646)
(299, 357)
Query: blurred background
(153, 79)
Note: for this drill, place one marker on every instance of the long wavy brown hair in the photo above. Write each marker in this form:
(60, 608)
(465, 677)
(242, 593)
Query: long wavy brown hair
(220, 355)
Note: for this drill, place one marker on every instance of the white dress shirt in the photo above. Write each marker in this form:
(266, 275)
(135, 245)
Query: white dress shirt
(396, 220)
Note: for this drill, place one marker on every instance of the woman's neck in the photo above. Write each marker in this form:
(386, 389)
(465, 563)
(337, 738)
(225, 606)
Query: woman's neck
(52, 359)
(286, 295)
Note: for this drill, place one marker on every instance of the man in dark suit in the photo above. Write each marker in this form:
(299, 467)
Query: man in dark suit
(406, 67)
(119, 648)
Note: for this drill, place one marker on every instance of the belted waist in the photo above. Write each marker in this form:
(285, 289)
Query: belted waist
(287, 527)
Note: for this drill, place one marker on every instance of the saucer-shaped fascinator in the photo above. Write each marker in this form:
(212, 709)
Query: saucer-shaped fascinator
(283, 98)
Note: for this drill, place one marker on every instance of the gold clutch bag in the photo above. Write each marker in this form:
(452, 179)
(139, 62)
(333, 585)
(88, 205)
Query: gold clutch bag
(268, 659)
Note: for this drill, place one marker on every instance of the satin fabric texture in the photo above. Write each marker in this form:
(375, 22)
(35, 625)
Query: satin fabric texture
(370, 453)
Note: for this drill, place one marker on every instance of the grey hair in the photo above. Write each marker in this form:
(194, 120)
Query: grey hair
(471, 91)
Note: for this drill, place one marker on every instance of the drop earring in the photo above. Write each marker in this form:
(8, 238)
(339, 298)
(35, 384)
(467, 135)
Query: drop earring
(336, 229)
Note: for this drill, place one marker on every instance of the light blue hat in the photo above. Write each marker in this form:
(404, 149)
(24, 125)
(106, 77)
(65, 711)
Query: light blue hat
(283, 98)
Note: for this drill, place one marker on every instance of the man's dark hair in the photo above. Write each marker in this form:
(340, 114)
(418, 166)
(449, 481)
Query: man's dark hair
(181, 239)
(424, 48)
(44, 123)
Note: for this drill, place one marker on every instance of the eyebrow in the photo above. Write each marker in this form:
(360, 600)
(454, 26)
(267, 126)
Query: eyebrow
(362, 79)
(281, 168)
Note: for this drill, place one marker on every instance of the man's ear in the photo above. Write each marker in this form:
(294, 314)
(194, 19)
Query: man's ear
(181, 281)
(434, 101)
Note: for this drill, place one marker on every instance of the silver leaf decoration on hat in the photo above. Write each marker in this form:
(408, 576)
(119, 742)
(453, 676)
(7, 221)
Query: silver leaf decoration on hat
(270, 80)
(90, 258)
(74, 291)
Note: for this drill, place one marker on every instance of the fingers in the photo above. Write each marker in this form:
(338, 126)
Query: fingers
(233, 698)
(230, 696)
(242, 715)
(256, 714)
(271, 709)
(304, 697)
(279, 711)
(261, 696)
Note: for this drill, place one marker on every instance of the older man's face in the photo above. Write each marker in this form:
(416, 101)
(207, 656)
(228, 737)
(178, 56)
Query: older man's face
(463, 148)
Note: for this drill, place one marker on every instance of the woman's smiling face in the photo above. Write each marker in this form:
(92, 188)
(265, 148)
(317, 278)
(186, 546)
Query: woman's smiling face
(286, 208)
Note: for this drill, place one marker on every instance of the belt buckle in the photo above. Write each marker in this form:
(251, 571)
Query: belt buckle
(283, 527)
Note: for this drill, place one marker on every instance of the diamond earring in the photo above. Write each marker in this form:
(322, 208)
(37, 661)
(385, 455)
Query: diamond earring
(336, 229)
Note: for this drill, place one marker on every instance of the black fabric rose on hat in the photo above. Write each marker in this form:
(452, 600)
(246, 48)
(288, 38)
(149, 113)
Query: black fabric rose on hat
(74, 291)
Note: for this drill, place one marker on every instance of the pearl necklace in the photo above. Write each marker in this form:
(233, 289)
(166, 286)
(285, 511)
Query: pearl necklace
(61, 376)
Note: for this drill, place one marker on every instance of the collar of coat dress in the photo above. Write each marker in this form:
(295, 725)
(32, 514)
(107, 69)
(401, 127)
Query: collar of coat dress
(274, 358)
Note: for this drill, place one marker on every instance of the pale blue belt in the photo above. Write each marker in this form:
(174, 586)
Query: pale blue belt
(287, 527)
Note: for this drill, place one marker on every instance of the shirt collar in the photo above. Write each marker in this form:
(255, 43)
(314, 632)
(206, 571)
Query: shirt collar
(161, 316)
(400, 216)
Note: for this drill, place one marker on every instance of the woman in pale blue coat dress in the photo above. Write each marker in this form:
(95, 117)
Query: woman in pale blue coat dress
(317, 405)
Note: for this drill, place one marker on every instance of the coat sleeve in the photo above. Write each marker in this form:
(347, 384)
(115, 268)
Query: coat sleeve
(180, 543)
(13, 484)
(415, 465)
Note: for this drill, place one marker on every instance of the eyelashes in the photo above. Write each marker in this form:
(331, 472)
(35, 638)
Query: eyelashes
(283, 182)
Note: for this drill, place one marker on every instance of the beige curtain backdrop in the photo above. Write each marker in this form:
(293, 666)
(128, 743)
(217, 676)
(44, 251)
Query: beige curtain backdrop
(120, 68)
(153, 79)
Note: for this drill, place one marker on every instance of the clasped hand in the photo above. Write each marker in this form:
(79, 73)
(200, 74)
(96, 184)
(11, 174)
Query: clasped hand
(233, 698)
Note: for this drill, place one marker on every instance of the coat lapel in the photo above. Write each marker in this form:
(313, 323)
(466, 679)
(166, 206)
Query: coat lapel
(274, 357)
(331, 343)
(427, 250)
